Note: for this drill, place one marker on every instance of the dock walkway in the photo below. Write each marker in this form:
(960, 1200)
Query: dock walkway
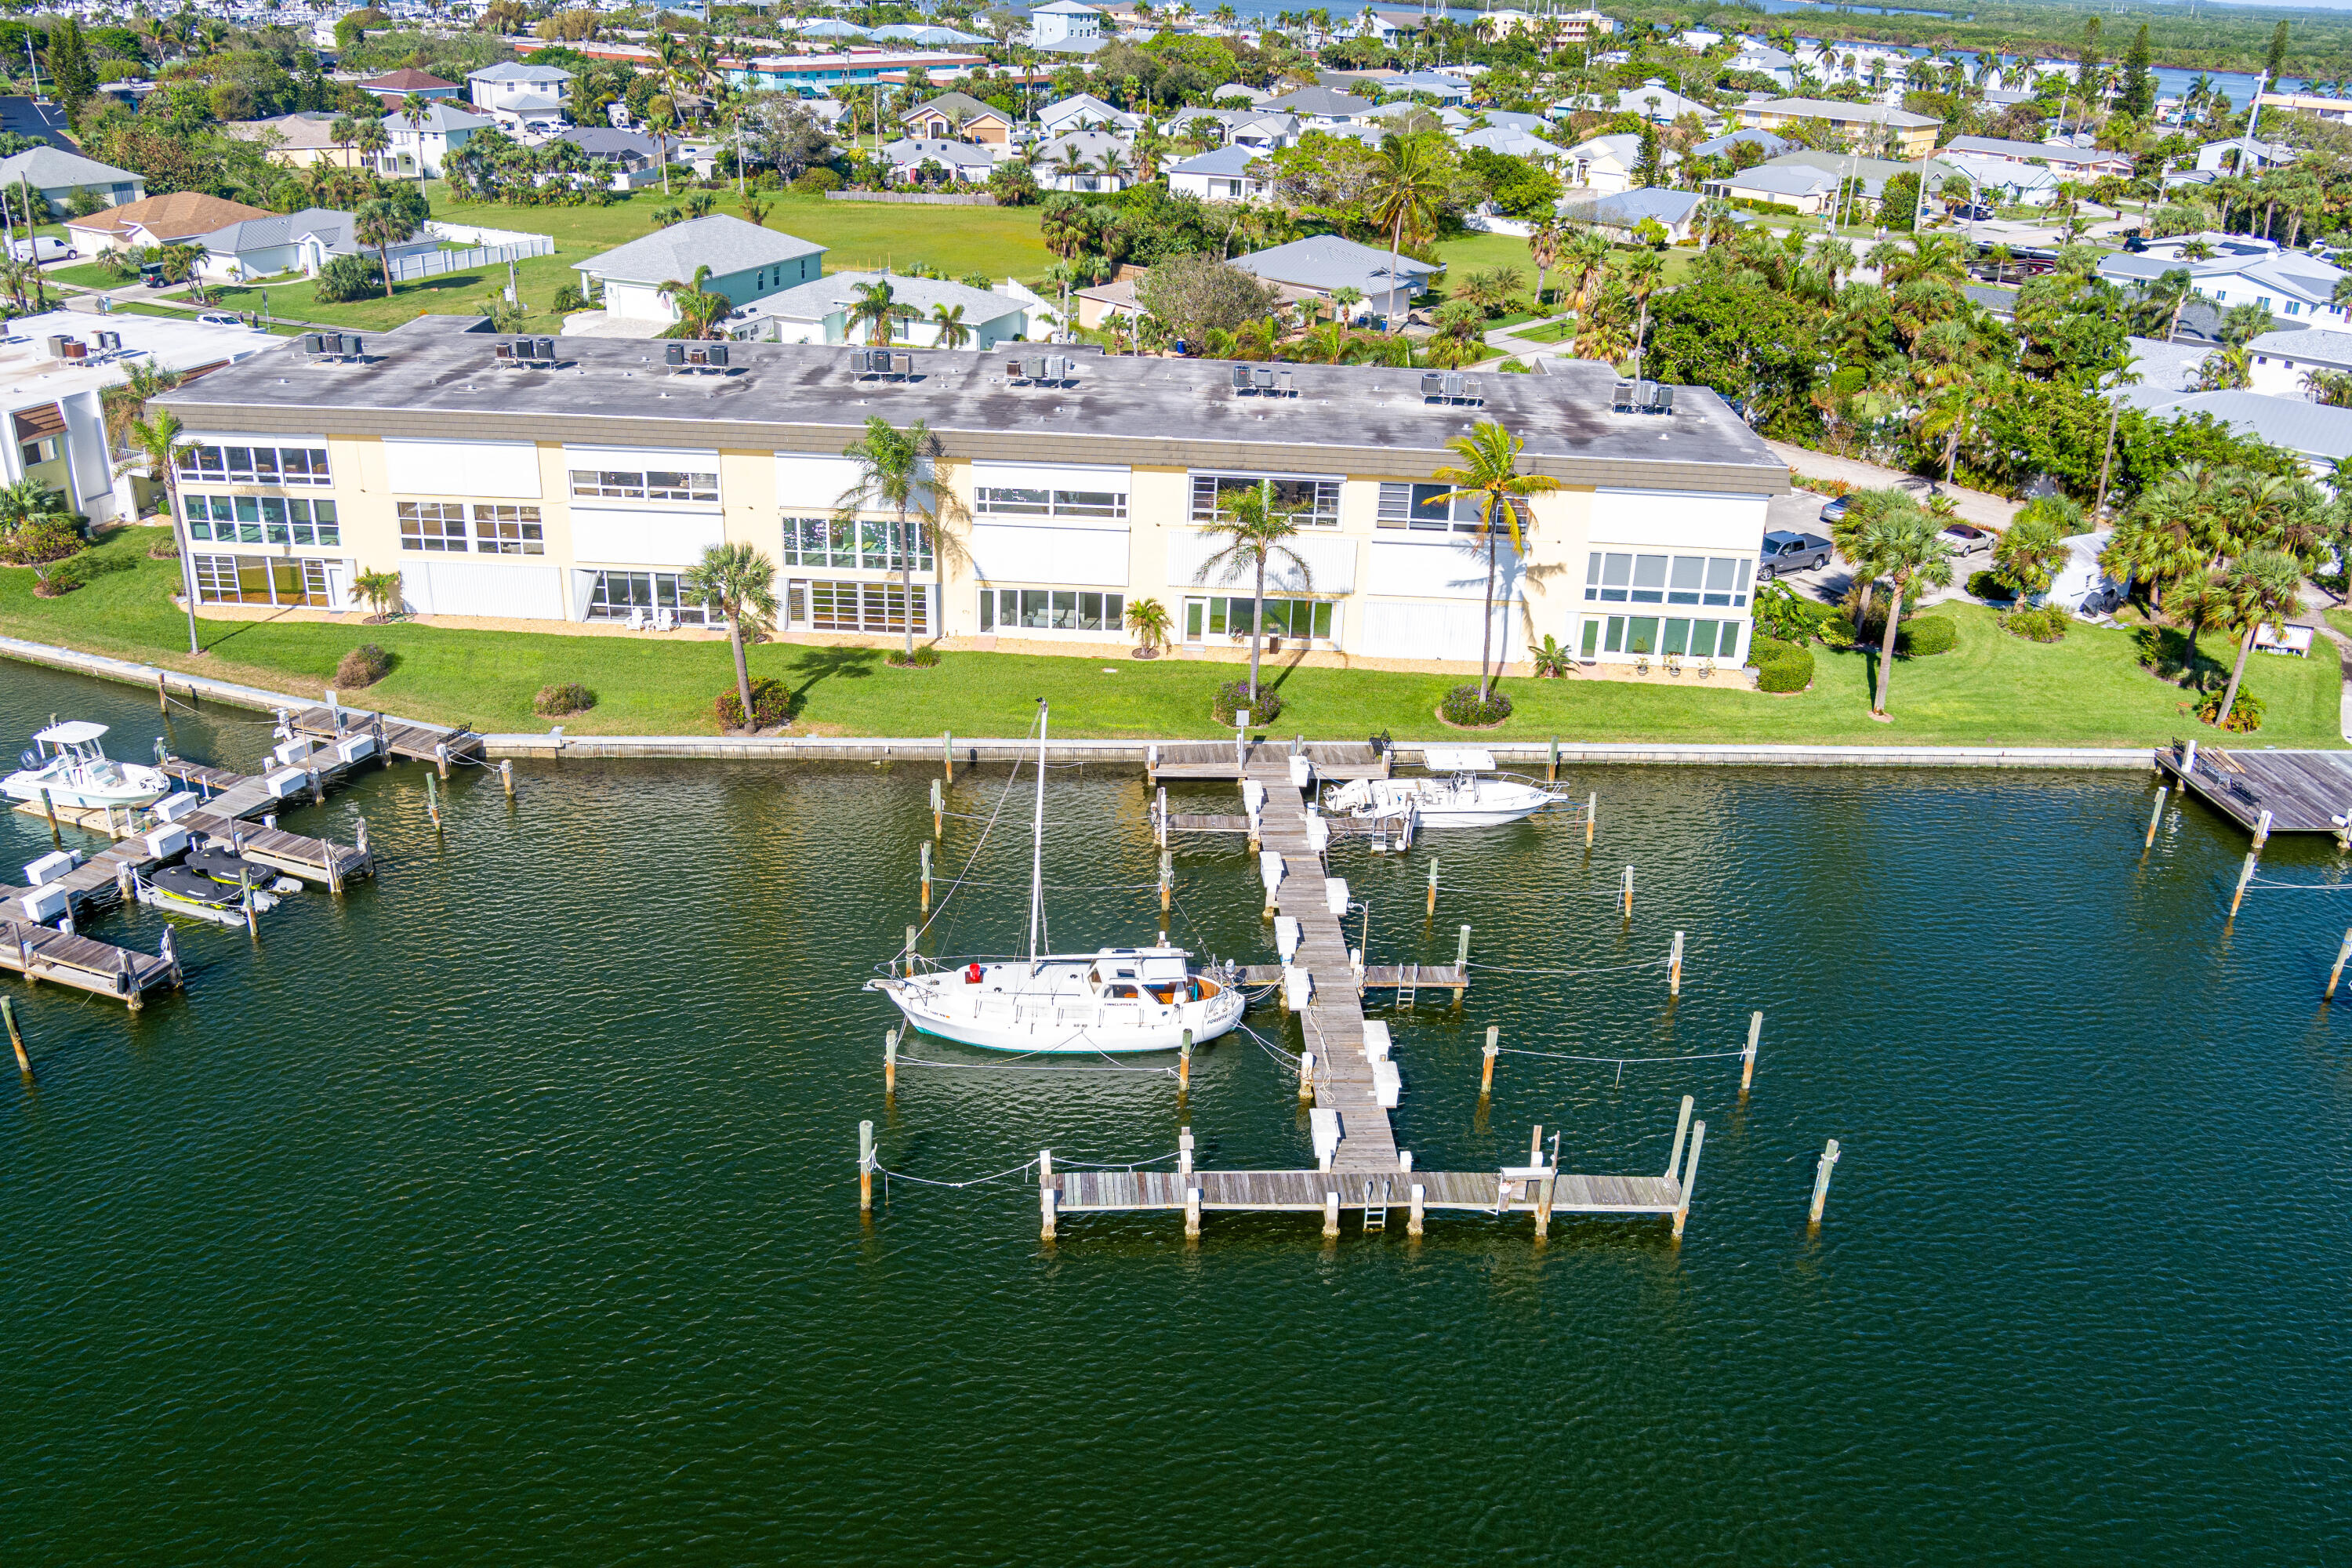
(2305, 791)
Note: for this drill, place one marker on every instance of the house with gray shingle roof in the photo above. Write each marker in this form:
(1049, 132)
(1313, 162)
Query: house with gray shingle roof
(1221, 174)
(286, 242)
(55, 176)
(1323, 264)
(747, 262)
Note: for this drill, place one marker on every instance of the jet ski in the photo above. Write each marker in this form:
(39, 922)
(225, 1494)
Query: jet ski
(231, 870)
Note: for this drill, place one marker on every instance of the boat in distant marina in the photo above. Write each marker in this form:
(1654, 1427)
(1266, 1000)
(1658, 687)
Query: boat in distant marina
(67, 763)
(1468, 794)
(1115, 1001)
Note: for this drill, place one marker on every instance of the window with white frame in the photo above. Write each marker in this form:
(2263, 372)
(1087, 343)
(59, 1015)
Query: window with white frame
(1229, 615)
(509, 531)
(866, 543)
(1656, 635)
(868, 607)
(251, 465)
(618, 594)
(260, 520)
(1625, 577)
(642, 484)
(1050, 609)
(1418, 506)
(1316, 502)
(998, 500)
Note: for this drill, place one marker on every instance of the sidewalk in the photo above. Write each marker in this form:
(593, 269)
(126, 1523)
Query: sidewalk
(1975, 506)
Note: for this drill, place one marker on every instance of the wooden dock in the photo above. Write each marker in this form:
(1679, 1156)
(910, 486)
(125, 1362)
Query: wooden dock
(1401, 978)
(1314, 1192)
(1264, 759)
(414, 741)
(1379, 831)
(2305, 791)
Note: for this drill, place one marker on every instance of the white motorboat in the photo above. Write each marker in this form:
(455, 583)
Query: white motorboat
(1115, 1001)
(1465, 791)
(67, 761)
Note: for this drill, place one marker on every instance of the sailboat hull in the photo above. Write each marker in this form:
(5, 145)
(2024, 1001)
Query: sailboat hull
(1040, 1018)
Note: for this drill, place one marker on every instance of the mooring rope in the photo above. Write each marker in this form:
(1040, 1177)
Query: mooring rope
(1010, 1066)
(1657, 962)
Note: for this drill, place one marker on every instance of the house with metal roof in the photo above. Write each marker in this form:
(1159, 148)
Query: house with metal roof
(1623, 213)
(57, 177)
(2283, 361)
(1871, 125)
(290, 242)
(2286, 283)
(1221, 174)
(1512, 143)
(2070, 162)
(2318, 435)
(1085, 112)
(1320, 107)
(1767, 144)
(1323, 264)
(818, 312)
(747, 262)
(1806, 190)
(1085, 161)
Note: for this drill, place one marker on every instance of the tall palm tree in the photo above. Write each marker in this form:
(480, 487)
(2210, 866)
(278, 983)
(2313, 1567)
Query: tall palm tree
(878, 310)
(1070, 164)
(947, 323)
(742, 581)
(893, 475)
(1544, 241)
(155, 445)
(1488, 473)
(1907, 550)
(369, 139)
(1259, 531)
(383, 226)
(414, 110)
(1407, 188)
(698, 309)
(2172, 532)
(2261, 587)
(2028, 556)
(1854, 531)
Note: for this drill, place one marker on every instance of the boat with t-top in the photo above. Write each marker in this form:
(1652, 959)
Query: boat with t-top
(67, 763)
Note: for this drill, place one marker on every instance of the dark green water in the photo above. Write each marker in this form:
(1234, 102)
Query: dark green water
(506, 1212)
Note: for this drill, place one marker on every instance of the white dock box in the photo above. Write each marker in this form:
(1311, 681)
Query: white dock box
(1298, 988)
(167, 840)
(1376, 1040)
(292, 752)
(1386, 1085)
(1335, 895)
(42, 905)
(1323, 1125)
(175, 805)
(51, 867)
(1319, 833)
(1269, 870)
(354, 748)
(286, 783)
(1302, 772)
(1253, 797)
(1286, 937)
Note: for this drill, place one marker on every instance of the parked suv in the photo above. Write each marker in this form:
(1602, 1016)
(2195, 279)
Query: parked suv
(1785, 552)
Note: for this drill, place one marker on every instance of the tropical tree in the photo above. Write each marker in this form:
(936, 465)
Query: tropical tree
(742, 581)
(1257, 532)
(369, 140)
(893, 475)
(1907, 548)
(1544, 242)
(384, 225)
(2028, 556)
(155, 445)
(878, 309)
(1852, 531)
(699, 310)
(1149, 620)
(414, 110)
(1408, 187)
(1488, 474)
(2198, 605)
(380, 589)
(947, 323)
(2260, 588)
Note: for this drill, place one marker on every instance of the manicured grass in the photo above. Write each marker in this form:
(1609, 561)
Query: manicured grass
(1993, 689)
(450, 294)
(90, 274)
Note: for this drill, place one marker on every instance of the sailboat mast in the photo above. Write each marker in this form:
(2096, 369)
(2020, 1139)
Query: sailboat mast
(1038, 845)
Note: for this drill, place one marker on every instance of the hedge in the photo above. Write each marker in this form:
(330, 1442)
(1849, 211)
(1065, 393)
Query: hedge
(1780, 666)
(1928, 634)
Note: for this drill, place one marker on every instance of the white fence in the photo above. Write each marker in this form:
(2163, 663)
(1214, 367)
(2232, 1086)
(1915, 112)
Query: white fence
(469, 234)
(434, 263)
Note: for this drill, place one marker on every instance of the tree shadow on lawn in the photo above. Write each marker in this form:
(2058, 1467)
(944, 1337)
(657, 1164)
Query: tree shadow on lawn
(819, 664)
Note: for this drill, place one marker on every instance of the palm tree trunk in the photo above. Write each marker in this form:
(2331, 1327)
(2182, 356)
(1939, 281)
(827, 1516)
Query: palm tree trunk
(743, 671)
(187, 561)
(1486, 626)
(907, 578)
(2237, 673)
(1887, 647)
(384, 259)
(1952, 452)
(2188, 665)
(1257, 623)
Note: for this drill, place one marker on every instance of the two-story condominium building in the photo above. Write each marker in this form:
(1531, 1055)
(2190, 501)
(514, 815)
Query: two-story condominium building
(582, 491)
(1872, 127)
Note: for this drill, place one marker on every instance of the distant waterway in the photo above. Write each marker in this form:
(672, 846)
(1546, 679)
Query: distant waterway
(506, 1211)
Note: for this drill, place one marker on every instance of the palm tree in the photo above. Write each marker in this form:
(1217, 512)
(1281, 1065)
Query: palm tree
(383, 226)
(876, 309)
(1854, 534)
(1544, 241)
(369, 139)
(2261, 587)
(1069, 163)
(1489, 474)
(155, 444)
(1147, 619)
(698, 309)
(2198, 605)
(947, 324)
(1344, 300)
(380, 589)
(1907, 550)
(1257, 532)
(1407, 188)
(2029, 555)
(742, 581)
(894, 475)
(415, 110)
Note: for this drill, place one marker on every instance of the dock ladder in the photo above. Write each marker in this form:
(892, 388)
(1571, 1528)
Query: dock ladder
(1376, 1216)
(1408, 981)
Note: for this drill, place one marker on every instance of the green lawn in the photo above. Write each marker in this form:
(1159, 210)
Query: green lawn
(2086, 691)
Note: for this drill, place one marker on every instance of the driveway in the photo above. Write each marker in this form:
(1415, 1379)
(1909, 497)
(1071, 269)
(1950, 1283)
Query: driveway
(1974, 506)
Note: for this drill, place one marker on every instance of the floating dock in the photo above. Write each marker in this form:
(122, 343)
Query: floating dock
(2303, 792)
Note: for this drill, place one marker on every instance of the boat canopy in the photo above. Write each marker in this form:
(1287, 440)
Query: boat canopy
(1458, 760)
(72, 732)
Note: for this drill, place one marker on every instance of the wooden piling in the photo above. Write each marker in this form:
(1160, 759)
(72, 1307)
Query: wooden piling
(162, 702)
(49, 806)
(1184, 1152)
(1551, 768)
(1045, 1194)
(2155, 817)
(911, 932)
(1305, 1077)
(2337, 974)
(1681, 1131)
(1167, 880)
(318, 787)
(1625, 893)
(1591, 812)
(245, 886)
(925, 848)
(506, 776)
(1462, 965)
(938, 810)
(1543, 1205)
(334, 868)
(865, 1167)
(16, 1036)
(1486, 1069)
(1690, 1177)
(359, 829)
(1160, 819)
(1192, 1213)
(1330, 1214)
(1419, 1209)
(1675, 967)
(1821, 1180)
(170, 953)
(1184, 1068)
(1747, 1057)
(2253, 858)
(441, 758)
(1433, 886)
(432, 801)
(889, 1062)
(947, 752)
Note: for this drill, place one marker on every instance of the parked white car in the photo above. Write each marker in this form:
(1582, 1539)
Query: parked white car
(42, 248)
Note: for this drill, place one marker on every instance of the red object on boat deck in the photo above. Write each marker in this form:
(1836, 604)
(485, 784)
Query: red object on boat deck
(971, 976)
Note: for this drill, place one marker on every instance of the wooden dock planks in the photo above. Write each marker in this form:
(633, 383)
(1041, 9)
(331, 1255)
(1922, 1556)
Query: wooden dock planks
(44, 953)
(1307, 1192)
(411, 740)
(2302, 790)
(1222, 759)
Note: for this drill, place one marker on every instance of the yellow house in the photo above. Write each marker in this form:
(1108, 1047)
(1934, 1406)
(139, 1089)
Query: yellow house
(1873, 127)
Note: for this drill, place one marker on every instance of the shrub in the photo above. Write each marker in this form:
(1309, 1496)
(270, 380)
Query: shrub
(2043, 623)
(166, 548)
(815, 183)
(921, 658)
(568, 299)
(363, 666)
(1984, 584)
(40, 539)
(1235, 695)
(2245, 713)
(1780, 666)
(771, 704)
(88, 567)
(345, 278)
(1463, 707)
(1928, 634)
(555, 701)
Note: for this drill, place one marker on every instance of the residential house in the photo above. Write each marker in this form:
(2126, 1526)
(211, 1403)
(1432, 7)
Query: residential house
(520, 96)
(2288, 284)
(1064, 25)
(747, 262)
(57, 178)
(2071, 162)
(1085, 112)
(2338, 110)
(2242, 155)
(921, 159)
(303, 138)
(1320, 107)
(1251, 128)
(394, 87)
(1659, 104)
(926, 38)
(1512, 119)
(1868, 125)
(1808, 191)
(1323, 264)
(175, 219)
(290, 242)
(596, 487)
(1621, 215)
(1392, 29)
(1449, 90)
(1726, 146)
(1406, 111)
(1870, 174)
(959, 117)
(2002, 183)
(2317, 434)
(1763, 59)
(634, 156)
(2283, 362)
(425, 147)
(1513, 142)
(1221, 174)
(1104, 301)
(818, 312)
(1085, 161)
(1606, 163)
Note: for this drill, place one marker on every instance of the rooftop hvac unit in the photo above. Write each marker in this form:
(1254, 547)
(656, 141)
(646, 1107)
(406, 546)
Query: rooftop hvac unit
(546, 351)
(1622, 400)
(1432, 384)
(1645, 395)
(1034, 367)
(1663, 399)
(1014, 368)
(55, 345)
(506, 352)
(674, 354)
(902, 365)
(718, 354)
(112, 342)
(1241, 385)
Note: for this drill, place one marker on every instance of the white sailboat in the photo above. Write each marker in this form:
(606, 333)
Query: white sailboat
(79, 772)
(1466, 796)
(1115, 1001)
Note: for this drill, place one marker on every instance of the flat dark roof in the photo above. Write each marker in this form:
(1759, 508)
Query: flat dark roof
(437, 377)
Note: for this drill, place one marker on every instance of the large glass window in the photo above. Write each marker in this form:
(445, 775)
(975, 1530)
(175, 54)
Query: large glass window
(992, 500)
(864, 544)
(260, 520)
(863, 607)
(255, 464)
(1229, 616)
(1316, 500)
(509, 531)
(656, 484)
(1050, 609)
(433, 525)
(1616, 576)
(1418, 506)
(260, 580)
(616, 594)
